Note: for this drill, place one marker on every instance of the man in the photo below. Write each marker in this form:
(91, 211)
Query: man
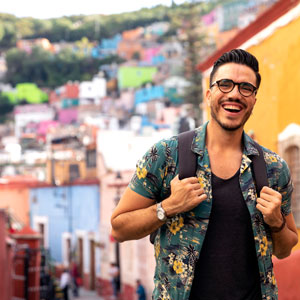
(140, 290)
(216, 236)
(115, 279)
(64, 283)
(75, 278)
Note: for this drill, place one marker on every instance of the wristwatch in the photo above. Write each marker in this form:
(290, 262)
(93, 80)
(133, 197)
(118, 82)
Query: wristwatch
(160, 212)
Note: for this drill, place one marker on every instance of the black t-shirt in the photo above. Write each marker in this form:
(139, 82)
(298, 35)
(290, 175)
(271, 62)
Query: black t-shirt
(227, 268)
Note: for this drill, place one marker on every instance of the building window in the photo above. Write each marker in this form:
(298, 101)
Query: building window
(74, 172)
(91, 158)
(292, 155)
(66, 248)
(42, 232)
(40, 224)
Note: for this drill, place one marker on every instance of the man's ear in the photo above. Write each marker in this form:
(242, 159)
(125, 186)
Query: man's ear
(208, 97)
(255, 96)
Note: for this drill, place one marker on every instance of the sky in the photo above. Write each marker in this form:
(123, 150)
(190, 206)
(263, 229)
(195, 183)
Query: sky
(44, 9)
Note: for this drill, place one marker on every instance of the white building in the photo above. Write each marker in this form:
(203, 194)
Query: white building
(31, 113)
(92, 91)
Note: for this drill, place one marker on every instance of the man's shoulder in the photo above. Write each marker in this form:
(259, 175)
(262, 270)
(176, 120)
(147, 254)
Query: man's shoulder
(277, 168)
(166, 145)
(272, 158)
(275, 164)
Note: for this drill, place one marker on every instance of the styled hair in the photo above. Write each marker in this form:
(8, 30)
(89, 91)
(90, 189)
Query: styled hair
(237, 56)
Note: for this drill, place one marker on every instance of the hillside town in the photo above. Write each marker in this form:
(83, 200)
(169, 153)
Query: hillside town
(68, 153)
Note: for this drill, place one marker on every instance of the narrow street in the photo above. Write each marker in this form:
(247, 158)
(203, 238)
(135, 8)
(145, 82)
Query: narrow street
(87, 295)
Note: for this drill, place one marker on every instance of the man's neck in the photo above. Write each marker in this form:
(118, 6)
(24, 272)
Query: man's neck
(224, 150)
(221, 139)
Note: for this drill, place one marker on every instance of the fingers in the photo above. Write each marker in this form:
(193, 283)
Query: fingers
(202, 197)
(185, 180)
(269, 197)
(188, 184)
(267, 191)
(185, 194)
(269, 204)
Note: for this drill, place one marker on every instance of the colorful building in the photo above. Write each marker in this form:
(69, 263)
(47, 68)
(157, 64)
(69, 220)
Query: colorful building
(134, 77)
(66, 216)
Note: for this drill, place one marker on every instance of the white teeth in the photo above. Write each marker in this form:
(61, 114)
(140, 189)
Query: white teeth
(232, 107)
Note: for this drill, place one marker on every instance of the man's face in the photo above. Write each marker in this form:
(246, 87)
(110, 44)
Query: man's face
(231, 110)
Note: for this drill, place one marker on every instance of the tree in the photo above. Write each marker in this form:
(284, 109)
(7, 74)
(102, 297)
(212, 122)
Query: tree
(48, 70)
(5, 107)
(192, 38)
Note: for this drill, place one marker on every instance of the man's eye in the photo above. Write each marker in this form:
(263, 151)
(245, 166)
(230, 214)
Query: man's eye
(225, 84)
(247, 87)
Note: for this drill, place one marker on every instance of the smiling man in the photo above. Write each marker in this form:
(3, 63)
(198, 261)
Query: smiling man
(216, 236)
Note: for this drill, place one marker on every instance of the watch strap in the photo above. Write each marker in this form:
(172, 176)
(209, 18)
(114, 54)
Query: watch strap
(278, 229)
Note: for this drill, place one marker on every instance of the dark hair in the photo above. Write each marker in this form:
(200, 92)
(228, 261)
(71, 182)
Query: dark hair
(238, 56)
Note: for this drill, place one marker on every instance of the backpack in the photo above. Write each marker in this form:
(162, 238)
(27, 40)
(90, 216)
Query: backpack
(187, 164)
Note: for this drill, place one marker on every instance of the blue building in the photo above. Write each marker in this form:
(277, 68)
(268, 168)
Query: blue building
(148, 94)
(66, 215)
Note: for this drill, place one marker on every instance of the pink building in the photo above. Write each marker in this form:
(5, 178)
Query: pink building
(6, 256)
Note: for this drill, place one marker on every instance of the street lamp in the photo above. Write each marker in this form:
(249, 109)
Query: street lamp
(116, 200)
(118, 184)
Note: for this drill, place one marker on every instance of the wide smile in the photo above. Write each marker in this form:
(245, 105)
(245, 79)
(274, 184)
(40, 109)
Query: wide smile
(232, 108)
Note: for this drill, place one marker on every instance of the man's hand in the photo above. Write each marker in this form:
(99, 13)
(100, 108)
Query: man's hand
(269, 204)
(185, 195)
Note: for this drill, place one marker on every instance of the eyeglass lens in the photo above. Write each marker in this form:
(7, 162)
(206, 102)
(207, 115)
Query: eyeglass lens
(227, 85)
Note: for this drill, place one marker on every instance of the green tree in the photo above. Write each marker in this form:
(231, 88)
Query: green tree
(24, 27)
(2, 31)
(6, 107)
(192, 38)
(61, 29)
(10, 36)
(48, 70)
(30, 93)
(15, 66)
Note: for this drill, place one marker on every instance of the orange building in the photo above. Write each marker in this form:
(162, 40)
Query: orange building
(129, 49)
(27, 45)
(133, 34)
(14, 197)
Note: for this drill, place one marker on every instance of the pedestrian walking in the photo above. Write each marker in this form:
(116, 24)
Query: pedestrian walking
(140, 290)
(65, 283)
(115, 279)
(75, 279)
(216, 232)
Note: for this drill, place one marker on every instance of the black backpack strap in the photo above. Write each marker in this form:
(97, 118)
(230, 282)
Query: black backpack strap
(259, 169)
(187, 159)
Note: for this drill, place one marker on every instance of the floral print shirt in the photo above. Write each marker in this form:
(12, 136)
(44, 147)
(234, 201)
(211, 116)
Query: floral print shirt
(179, 241)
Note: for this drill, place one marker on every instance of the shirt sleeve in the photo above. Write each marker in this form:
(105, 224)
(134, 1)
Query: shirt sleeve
(150, 171)
(285, 187)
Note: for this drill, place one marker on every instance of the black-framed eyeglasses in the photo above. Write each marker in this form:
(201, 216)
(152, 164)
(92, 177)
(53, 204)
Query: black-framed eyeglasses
(246, 89)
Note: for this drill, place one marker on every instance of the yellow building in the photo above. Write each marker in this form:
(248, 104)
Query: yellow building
(274, 38)
(71, 161)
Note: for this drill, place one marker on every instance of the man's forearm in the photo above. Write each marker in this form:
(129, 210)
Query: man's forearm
(135, 216)
(284, 241)
(135, 224)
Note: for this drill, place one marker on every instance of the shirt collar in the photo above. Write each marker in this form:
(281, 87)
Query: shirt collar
(198, 144)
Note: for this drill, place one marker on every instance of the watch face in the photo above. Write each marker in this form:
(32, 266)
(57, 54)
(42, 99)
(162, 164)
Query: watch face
(161, 215)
